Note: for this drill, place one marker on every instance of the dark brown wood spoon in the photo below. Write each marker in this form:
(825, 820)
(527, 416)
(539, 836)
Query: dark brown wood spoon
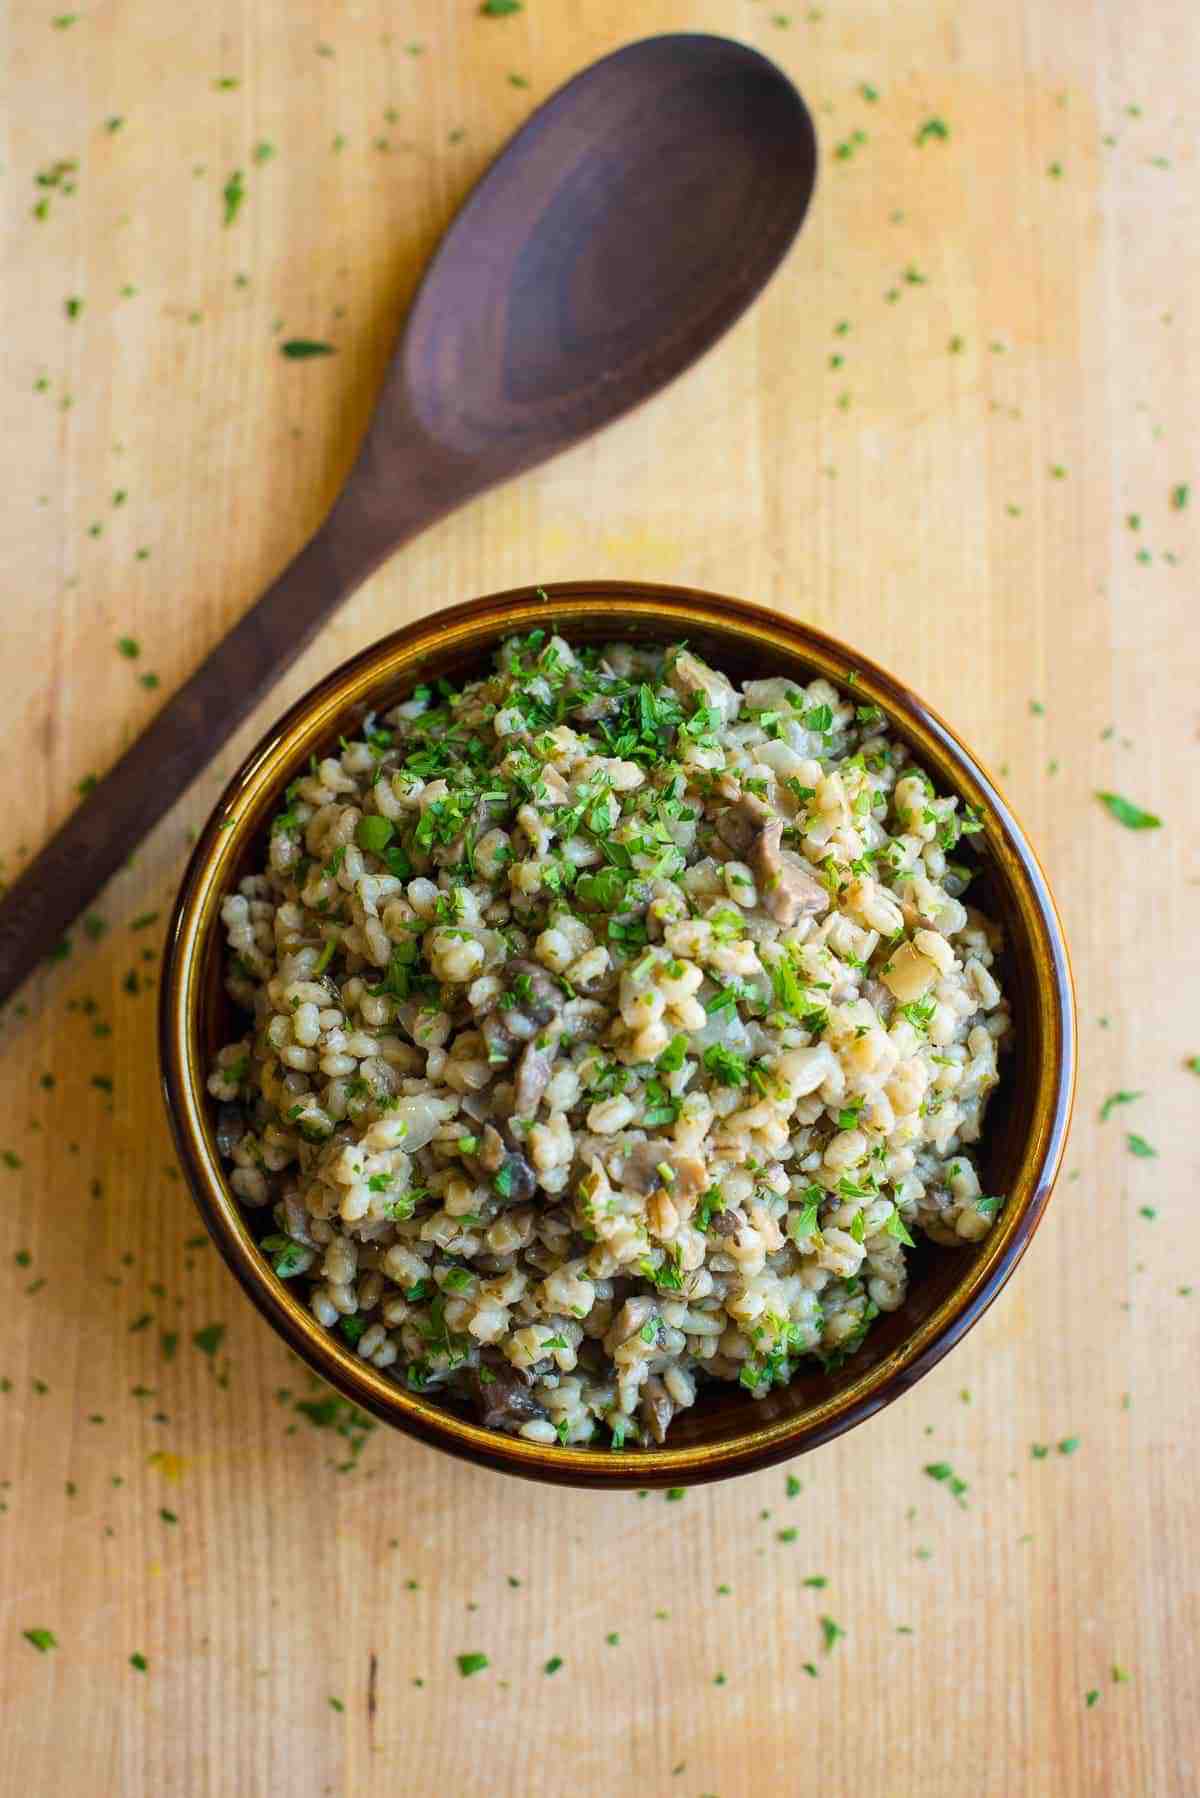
(621, 232)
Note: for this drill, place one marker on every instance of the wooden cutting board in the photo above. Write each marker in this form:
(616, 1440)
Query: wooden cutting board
(951, 434)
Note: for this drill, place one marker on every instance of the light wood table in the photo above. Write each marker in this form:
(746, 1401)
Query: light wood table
(946, 481)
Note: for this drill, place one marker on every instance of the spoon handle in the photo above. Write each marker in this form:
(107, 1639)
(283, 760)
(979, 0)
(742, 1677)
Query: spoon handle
(101, 833)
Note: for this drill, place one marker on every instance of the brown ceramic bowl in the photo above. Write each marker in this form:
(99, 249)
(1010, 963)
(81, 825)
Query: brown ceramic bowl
(727, 1432)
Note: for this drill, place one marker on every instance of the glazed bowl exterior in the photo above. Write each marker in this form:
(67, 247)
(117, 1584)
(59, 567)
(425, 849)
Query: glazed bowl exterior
(727, 1432)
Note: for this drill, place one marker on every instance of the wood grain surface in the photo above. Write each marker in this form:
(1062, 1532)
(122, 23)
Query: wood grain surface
(951, 434)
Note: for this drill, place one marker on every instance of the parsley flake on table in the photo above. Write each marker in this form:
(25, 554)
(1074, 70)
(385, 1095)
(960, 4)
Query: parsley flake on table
(471, 1663)
(553, 1664)
(300, 349)
(945, 1475)
(793, 1488)
(1137, 1145)
(1180, 496)
(1068, 1445)
(500, 9)
(1126, 813)
(139, 1662)
(830, 1633)
(208, 1340)
(1091, 1698)
(1113, 1100)
(932, 129)
(233, 193)
(42, 1639)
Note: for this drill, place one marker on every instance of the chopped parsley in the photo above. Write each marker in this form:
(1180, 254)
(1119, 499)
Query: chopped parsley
(299, 349)
(233, 193)
(945, 1475)
(1113, 1100)
(41, 1639)
(472, 1663)
(1137, 1145)
(1126, 813)
(209, 1339)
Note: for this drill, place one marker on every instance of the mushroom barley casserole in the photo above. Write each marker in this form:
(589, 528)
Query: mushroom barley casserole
(613, 1027)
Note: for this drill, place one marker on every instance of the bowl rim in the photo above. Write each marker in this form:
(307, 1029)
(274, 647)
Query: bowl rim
(651, 608)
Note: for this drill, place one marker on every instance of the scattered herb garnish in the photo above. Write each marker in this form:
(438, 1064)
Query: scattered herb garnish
(1126, 813)
(945, 1475)
(1113, 1100)
(233, 193)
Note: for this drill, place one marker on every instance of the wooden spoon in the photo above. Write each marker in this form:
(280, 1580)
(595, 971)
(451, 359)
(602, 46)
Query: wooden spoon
(623, 230)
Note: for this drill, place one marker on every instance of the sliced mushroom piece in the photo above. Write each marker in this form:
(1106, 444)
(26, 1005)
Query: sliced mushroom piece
(540, 996)
(876, 994)
(789, 890)
(501, 1044)
(641, 1164)
(533, 1073)
(686, 1175)
(740, 825)
(633, 1317)
(657, 1407)
(501, 1394)
(594, 708)
(231, 1127)
(492, 1150)
(514, 1180)
(693, 679)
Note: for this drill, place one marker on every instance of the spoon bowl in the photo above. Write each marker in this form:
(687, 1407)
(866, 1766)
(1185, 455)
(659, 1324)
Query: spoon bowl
(622, 232)
(628, 224)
